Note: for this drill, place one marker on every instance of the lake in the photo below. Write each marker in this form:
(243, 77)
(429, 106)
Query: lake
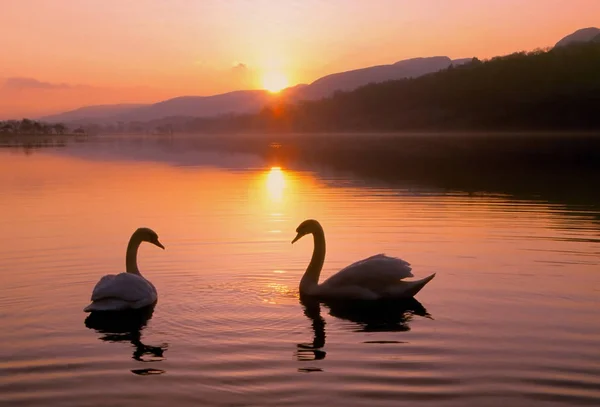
(511, 318)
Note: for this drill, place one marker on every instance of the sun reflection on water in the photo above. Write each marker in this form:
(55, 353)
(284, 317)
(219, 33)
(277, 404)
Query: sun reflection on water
(275, 293)
(276, 184)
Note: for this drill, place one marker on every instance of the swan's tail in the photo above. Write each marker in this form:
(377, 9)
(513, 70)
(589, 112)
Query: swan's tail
(419, 284)
(408, 289)
(107, 304)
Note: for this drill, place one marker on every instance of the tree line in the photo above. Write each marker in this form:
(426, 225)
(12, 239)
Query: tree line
(555, 89)
(33, 127)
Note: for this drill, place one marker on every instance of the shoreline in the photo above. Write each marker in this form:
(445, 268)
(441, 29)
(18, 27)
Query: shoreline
(33, 135)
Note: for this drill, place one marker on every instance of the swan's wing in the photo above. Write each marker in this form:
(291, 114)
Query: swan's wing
(125, 286)
(374, 272)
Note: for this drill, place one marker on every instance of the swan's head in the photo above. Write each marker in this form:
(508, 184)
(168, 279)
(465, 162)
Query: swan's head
(148, 235)
(307, 227)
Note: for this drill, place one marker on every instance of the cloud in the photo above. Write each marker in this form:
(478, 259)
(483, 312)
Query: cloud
(31, 83)
(241, 75)
(239, 67)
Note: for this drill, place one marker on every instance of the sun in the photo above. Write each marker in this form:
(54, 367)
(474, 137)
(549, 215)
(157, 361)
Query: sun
(274, 81)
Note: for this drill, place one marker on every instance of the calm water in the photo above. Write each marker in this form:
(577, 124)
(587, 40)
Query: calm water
(513, 315)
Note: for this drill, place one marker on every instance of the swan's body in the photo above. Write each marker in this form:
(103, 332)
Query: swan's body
(374, 278)
(129, 290)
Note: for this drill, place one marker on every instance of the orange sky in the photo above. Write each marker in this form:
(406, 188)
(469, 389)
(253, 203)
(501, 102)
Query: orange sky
(69, 53)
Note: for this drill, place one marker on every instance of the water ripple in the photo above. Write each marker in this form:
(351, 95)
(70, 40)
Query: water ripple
(511, 318)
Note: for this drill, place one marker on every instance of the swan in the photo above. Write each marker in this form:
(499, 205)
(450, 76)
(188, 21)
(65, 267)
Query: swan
(129, 290)
(374, 278)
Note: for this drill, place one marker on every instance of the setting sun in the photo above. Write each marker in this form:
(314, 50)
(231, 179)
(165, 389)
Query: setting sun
(274, 81)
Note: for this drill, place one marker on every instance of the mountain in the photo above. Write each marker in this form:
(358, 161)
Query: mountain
(461, 61)
(583, 35)
(92, 113)
(350, 80)
(556, 90)
(243, 101)
(251, 101)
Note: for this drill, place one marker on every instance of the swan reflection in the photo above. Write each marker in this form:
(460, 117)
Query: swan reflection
(127, 326)
(366, 316)
(312, 351)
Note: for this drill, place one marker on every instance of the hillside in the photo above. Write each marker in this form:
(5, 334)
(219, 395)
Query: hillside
(541, 90)
(197, 106)
(582, 35)
(350, 80)
(92, 113)
(251, 101)
(182, 109)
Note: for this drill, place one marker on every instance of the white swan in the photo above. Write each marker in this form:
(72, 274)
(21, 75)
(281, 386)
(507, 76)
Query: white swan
(373, 278)
(129, 290)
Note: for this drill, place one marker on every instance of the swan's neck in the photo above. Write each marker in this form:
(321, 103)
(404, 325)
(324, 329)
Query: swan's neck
(131, 256)
(313, 271)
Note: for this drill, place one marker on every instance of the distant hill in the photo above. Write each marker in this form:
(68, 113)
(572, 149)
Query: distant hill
(461, 61)
(583, 35)
(251, 101)
(550, 90)
(243, 101)
(350, 80)
(92, 113)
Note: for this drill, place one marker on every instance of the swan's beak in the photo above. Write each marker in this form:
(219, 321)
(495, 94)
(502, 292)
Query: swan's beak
(298, 236)
(159, 244)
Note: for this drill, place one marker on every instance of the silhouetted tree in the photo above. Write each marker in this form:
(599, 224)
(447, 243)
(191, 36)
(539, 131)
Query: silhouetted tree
(37, 127)
(60, 128)
(6, 127)
(26, 126)
(30, 127)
